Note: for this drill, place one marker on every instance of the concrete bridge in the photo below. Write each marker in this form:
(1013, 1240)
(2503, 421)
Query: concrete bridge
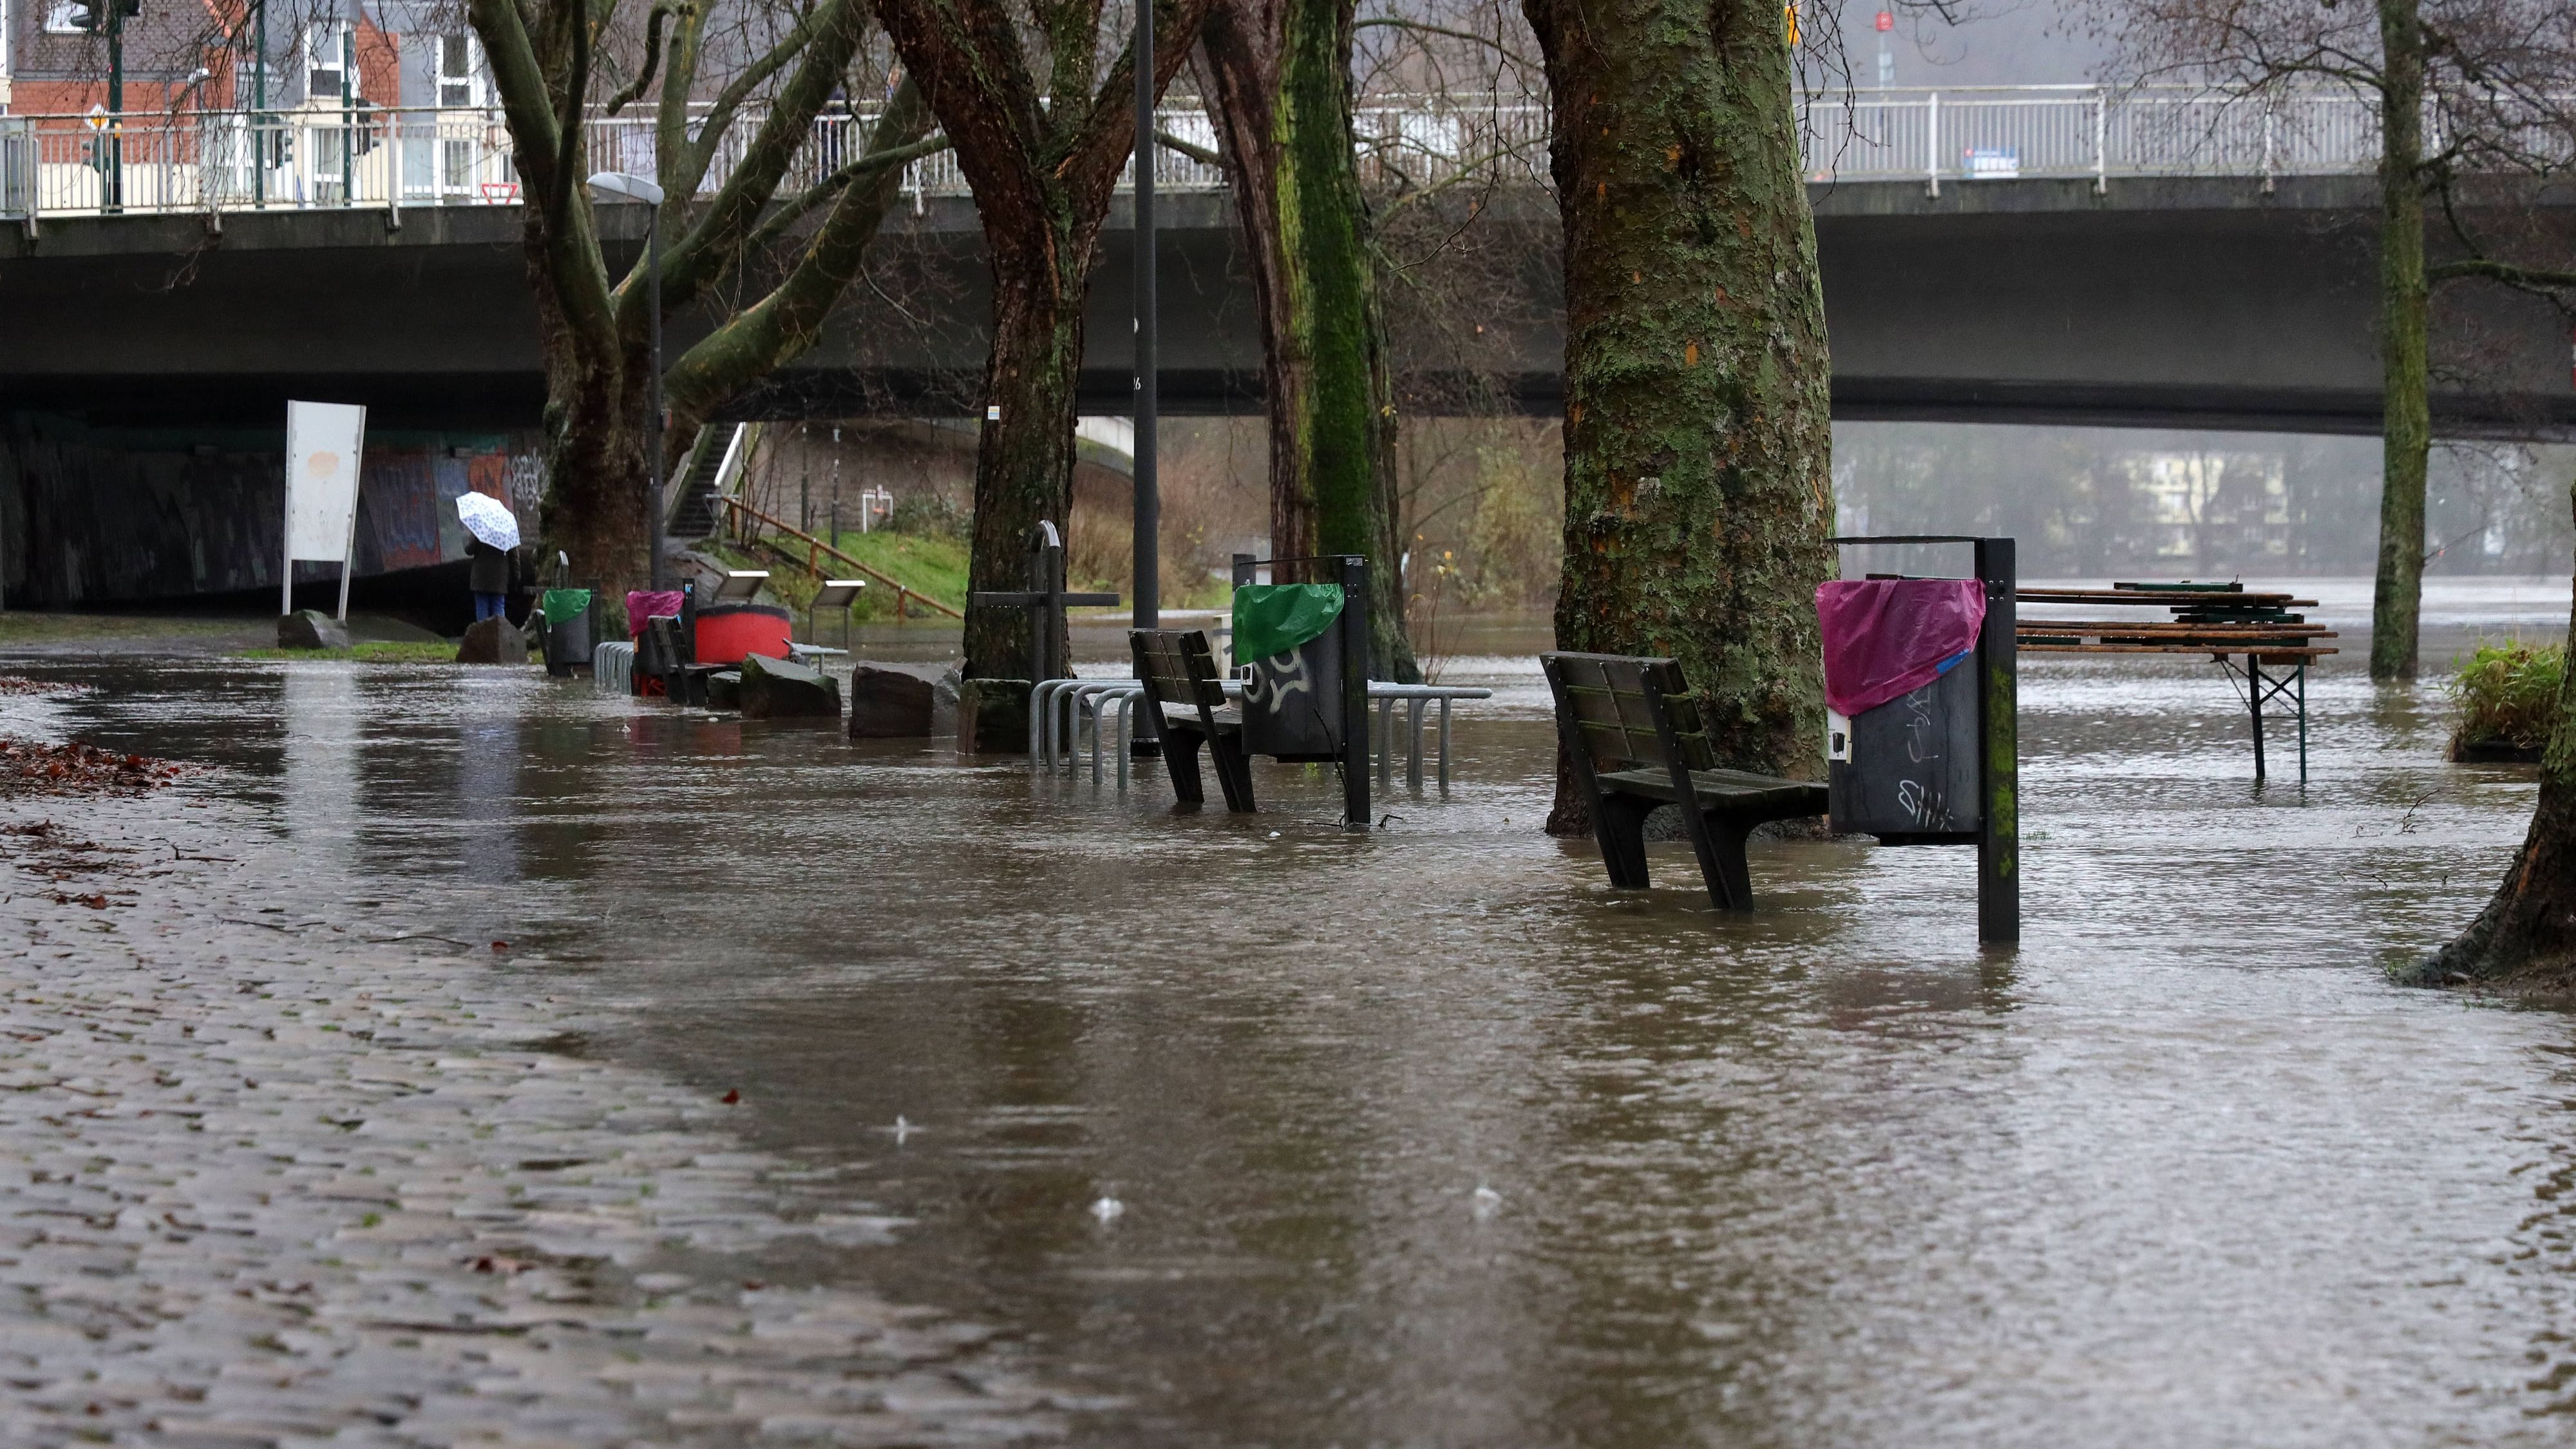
(2174, 301)
(2047, 254)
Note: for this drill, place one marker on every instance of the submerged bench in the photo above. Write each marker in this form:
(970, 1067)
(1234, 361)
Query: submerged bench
(1186, 701)
(1634, 733)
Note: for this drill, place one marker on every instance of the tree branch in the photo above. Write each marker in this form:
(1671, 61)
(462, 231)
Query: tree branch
(1191, 149)
(1487, 41)
(786, 216)
(653, 24)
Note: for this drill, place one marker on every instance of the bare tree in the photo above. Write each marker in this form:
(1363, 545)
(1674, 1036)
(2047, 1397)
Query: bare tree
(741, 87)
(1039, 102)
(2497, 79)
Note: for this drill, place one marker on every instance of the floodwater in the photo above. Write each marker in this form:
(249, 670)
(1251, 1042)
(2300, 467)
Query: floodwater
(1425, 1137)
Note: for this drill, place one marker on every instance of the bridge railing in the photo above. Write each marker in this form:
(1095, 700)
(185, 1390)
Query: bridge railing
(392, 158)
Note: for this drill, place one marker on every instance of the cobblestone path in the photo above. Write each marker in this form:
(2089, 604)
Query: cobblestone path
(266, 1180)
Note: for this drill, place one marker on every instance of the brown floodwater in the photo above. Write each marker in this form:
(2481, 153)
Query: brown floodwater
(1425, 1137)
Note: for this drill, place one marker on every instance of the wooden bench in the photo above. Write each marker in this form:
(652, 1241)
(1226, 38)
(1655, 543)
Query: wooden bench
(1185, 697)
(1634, 732)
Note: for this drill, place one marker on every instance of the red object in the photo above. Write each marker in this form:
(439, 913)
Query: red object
(727, 632)
(1886, 21)
(1889, 637)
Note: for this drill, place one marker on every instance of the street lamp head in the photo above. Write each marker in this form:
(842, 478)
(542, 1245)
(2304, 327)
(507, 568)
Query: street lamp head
(624, 185)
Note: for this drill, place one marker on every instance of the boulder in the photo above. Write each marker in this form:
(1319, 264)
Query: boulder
(493, 641)
(780, 689)
(890, 704)
(311, 629)
(993, 716)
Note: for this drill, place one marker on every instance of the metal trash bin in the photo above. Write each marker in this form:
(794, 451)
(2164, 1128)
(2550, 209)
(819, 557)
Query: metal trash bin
(568, 633)
(1292, 700)
(1906, 771)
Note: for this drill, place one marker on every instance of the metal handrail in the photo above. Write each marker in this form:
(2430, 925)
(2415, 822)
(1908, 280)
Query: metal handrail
(392, 158)
(815, 548)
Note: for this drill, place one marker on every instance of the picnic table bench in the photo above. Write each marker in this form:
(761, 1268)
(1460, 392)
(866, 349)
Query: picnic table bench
(1185, 699)
(2223, 621)
(1633, 730)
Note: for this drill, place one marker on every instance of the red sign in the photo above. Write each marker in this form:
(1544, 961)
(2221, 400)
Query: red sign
(1886, 21)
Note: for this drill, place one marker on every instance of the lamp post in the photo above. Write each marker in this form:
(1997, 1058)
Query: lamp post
(1149, 500)
(626, 186)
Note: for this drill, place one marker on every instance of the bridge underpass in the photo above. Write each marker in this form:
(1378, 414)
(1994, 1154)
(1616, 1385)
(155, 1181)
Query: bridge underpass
(145, 360)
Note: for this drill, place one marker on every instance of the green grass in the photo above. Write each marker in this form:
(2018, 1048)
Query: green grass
(2509, 692)
(403, 651)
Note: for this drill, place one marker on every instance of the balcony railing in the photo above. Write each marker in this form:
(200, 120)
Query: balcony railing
(389, 159)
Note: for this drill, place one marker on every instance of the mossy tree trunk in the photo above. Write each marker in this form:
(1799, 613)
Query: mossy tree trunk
(1043, 135)
(2528, 932)
(595, 333)
(2406, 434)
(1698, 445)
(1279, 71)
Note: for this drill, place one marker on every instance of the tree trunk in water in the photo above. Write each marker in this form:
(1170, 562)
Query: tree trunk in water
(2407, 418)
(2528, 932)
(1698, 445)
(1024, 463)
(1280, 73)
(594, 425)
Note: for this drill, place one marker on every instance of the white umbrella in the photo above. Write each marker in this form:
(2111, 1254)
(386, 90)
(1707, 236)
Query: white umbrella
(488, 519)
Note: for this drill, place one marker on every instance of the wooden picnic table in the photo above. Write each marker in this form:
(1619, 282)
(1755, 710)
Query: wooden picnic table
(2223, 621)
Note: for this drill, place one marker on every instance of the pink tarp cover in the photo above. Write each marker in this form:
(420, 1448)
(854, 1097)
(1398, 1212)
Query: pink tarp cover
(643, 604)
(1889, 637)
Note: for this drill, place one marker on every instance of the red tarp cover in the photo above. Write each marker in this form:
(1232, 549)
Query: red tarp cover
(643, 604)
(1889, 637)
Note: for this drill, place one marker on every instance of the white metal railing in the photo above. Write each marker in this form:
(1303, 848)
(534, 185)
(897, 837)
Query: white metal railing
(389, 158)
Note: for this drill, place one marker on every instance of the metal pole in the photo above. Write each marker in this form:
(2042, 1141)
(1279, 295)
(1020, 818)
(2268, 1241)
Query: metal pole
(1149, 501)
(1998, 749)
(653, 424)
(1355, 655)
(348, 136)
(115, 137)
(2254, 696)
(259, 104)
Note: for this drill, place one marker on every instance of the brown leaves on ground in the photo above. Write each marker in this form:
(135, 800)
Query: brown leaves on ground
(30, 767)
(21, 684)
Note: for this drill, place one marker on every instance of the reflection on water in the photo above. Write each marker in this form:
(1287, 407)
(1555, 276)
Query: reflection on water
(2181, 1170)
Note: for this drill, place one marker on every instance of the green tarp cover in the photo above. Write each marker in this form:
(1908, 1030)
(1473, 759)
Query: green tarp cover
(1275, 618)
(563, 604)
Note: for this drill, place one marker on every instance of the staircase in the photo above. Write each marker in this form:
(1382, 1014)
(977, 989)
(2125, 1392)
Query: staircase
(714, 469)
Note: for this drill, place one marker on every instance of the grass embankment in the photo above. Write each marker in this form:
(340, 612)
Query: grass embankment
(383, 651)
(2507, 694)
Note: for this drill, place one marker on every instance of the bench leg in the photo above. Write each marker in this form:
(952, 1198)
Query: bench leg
(1181, 762)
(1619, 825)
(1233, 772)
(1720, 843)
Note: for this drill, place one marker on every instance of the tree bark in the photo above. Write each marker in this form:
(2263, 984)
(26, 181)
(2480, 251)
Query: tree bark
(1044, 159)
(2527, 934)
(1698, 446)
(1279, 72)
(2406, 430)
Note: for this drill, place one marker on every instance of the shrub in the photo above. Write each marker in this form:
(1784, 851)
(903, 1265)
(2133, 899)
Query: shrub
(2509, 693)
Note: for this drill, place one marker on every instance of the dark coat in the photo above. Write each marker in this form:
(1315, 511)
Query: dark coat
(487, 569)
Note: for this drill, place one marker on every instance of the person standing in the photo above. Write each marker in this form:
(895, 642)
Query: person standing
(487, 574)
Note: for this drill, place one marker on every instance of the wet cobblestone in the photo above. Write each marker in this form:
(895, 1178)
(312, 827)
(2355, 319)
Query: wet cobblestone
(268, 1179)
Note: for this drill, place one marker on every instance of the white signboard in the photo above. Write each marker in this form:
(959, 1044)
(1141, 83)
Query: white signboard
(323, 441)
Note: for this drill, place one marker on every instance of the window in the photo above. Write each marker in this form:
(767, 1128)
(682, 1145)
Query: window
(456, 71)
(326, 55)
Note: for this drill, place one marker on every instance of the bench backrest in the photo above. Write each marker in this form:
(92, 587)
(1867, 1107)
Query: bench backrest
(1177, 667)
(1611, 702)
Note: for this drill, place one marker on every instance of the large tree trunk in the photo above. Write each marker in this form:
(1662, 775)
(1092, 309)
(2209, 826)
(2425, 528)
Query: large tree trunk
(1698, 446)
(2407, 417)
(2527, 934)
(1280, 72)
(1024, 465)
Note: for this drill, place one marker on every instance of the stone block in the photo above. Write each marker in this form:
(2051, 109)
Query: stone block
(781, 689)
(724, 689)
(311, 629)
(889, 704)
(493, 641)
(993, 716)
